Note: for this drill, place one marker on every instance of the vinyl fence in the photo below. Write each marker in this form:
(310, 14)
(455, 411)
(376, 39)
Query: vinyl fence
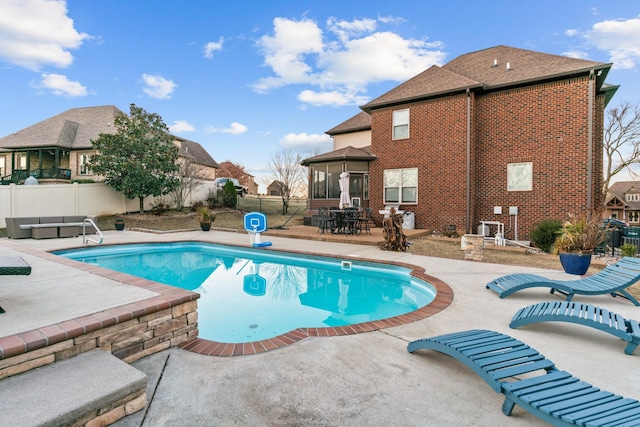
(76, 199)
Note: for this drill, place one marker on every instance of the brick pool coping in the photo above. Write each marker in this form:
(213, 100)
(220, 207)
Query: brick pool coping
(442, 300)
(169, 296)
(35, 339)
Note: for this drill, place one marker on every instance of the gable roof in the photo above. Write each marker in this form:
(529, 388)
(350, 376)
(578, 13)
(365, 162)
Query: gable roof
(359, 122)
(346, 153)
(72, 129)
(476, 70)
(231, 170)
(194, 151)
(619, 189)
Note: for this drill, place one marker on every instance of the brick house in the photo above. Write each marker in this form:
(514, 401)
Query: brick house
(502, 134)
(58, 149)
(228, 169)
(623, 202)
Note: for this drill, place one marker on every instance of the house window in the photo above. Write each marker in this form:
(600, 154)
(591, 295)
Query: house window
(365, 185)
(401, 185)
(633, 197)
(634, 217)
(21, 161)
(326, 184)
(2, 166)
(519, 176)
(401, 124)
(84, 164)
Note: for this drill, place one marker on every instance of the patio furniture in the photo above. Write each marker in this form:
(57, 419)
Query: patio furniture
(554, 396)
(12, 266)
(366, 220)
(582, 314)
(613, 279)
(325, 220)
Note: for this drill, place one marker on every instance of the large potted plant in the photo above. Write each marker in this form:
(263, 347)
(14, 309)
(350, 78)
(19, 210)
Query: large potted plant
(577, 240)
(205, 219)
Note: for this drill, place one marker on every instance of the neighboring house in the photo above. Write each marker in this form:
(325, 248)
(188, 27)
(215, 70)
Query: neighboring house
(58, 149)
(229, 170)
(203, 165)
(276, 188)
(503, 134)
(623, 202)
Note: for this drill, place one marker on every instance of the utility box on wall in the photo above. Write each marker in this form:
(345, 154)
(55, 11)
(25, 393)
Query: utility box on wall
(513, 210)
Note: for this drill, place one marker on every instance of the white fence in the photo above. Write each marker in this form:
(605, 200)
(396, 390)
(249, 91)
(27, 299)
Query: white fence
(76, 199)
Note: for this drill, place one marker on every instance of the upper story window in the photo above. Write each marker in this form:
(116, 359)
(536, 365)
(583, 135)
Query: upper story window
(633, 197)
(401, 124)
(401, 186)
(2, 167)
(520, 176)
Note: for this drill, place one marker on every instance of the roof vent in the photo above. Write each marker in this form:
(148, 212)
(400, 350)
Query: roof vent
(508, 66)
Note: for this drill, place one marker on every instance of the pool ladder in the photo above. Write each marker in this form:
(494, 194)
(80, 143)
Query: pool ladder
(85, 239)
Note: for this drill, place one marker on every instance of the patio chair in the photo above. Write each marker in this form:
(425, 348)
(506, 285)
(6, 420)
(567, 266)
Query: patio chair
(366, 220)
(325, 220)
(554, 396)
(613, 280)
(582, 314)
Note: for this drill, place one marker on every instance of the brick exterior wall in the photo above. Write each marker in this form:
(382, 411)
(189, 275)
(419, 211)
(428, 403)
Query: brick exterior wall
(546, 124)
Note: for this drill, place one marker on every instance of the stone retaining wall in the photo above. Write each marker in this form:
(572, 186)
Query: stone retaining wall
(129, 340)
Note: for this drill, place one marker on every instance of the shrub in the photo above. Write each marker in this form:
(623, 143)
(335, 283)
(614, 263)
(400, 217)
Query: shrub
(229, 195)
(628, 249)
(545, 233)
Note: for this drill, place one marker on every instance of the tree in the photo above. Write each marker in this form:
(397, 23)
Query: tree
(190, 177)
(140, 158)
(621, 142)
(287, 169)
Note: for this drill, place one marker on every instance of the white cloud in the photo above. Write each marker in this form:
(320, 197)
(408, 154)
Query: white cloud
(620, 38)
(304, 139)
(331, 98)
(60, 85)
(234, 128)
(34, 33)
(578, 54)
(179, 126)
(571, 32)
(157, 86)
(342, 60)
(212, 47)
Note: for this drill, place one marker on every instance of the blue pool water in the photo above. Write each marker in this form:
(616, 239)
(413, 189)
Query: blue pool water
(250, 295)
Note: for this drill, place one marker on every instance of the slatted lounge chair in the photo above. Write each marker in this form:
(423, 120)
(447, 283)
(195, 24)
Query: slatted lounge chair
(555, 396)
(613, 279)
(13, 265)
(583, 314)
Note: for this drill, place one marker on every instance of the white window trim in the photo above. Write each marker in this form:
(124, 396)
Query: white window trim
(397, 122)
(400, 187)
(520, 176)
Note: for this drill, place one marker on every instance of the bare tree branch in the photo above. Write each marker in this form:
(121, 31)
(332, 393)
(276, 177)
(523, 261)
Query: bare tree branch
(287, 170)
(621, 142)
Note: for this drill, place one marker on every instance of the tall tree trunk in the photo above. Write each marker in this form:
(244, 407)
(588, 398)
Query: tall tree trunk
(141, 199)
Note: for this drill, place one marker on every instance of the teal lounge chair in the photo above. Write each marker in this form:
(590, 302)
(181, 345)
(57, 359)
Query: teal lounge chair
(613, 279)
(583, 314)
(13, 265)
(554, 396)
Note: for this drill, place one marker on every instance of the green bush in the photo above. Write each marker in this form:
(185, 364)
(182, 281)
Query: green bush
(229, 195)
(628, 249)
(545, 233)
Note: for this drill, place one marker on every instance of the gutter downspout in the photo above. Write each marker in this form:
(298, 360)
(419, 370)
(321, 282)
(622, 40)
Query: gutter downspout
(590, 145)
(467, 225)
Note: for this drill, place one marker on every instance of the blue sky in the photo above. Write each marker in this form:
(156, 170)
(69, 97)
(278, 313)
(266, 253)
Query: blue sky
(247, 78)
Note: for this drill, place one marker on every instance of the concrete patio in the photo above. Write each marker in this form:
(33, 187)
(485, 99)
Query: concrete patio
(363, 379)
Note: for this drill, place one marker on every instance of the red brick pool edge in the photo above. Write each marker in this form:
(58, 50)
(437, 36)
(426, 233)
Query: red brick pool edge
(442, 300)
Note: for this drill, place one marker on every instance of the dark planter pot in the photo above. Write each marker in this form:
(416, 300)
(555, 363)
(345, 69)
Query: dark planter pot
(119, 226)
(575, 263)
(205, 226)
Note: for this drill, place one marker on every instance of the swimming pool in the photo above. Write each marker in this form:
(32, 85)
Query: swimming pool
(250, 295)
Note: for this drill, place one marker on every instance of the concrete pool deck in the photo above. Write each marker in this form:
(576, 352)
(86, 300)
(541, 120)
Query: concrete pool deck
(363, 379)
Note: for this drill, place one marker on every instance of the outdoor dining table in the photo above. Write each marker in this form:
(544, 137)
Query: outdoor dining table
(343, 222)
